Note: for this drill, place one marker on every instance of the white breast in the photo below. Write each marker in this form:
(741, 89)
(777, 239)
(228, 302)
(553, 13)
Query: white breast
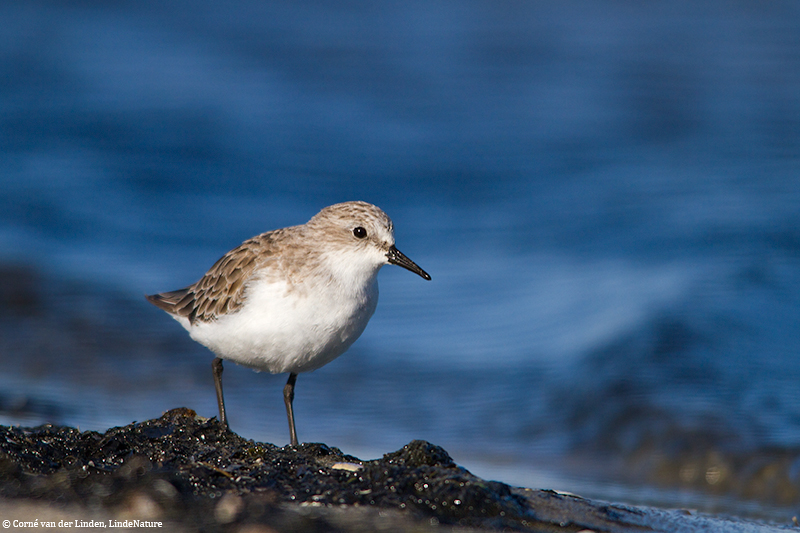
(289, 329)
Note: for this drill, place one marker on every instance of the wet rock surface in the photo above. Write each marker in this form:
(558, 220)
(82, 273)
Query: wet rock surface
(189, 472)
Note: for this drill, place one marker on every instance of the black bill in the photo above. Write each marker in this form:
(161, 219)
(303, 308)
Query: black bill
(396, 257)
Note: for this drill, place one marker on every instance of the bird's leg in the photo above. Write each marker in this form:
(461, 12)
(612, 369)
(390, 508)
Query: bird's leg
(216, 366)
(288, 398)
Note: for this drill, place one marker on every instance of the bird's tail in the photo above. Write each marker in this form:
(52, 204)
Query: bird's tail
(168, 301)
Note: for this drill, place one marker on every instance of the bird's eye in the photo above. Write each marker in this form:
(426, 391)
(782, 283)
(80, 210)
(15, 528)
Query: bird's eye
(359, 232)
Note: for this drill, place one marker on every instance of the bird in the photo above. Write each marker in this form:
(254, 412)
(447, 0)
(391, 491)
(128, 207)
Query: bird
(290, 300)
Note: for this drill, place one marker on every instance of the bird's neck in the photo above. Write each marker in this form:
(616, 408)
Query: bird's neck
(350, 274)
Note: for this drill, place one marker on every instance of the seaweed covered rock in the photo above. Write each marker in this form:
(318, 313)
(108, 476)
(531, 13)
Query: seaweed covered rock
(193, 473)
(180, 460)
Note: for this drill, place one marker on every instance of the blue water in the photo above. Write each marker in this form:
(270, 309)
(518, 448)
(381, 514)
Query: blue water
(606, 197)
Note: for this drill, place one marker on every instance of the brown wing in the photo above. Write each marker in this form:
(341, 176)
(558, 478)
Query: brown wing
(222, 289)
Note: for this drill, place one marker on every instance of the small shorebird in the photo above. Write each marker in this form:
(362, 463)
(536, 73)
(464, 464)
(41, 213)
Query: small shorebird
(293, 299)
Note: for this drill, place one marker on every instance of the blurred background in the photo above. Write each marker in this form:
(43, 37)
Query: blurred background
(606, 196)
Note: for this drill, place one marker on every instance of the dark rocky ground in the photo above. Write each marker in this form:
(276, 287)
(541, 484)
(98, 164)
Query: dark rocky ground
(191, 474)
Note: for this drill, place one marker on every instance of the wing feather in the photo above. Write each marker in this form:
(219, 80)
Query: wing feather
(223, 288)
